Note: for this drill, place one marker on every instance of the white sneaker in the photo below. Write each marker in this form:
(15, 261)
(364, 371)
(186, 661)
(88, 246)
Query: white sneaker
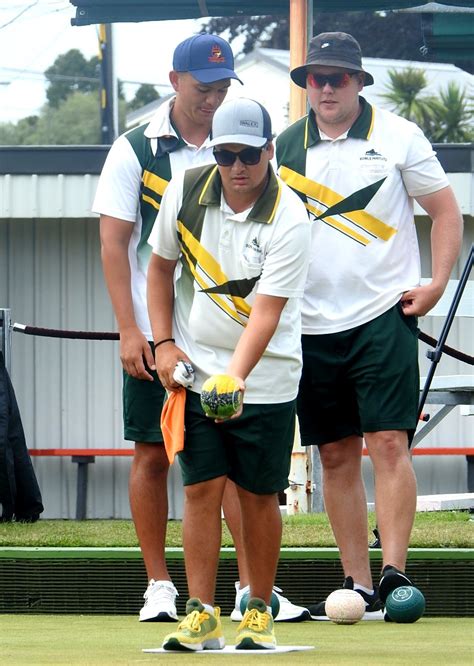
(288, 612)
(160, 602)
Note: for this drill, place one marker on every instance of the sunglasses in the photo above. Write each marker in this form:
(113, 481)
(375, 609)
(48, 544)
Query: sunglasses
(335, 80)
(248, 156)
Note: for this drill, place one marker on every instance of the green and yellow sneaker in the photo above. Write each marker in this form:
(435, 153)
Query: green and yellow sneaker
(255, 632)
(198, 631)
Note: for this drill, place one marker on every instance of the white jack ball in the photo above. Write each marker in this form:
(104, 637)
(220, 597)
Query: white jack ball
(345, 607)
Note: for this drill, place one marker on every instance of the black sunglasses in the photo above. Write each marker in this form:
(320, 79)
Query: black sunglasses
(335, 80)
(249, 156)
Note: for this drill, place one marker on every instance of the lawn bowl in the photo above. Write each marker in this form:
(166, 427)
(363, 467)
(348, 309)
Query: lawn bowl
(405, 604)
(345, 607)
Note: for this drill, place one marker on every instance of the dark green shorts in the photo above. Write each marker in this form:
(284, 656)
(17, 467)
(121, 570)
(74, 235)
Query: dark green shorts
(142, 405)
(365, 379)
(253, 450)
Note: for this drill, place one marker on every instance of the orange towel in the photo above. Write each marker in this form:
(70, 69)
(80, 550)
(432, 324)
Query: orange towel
(172, 423)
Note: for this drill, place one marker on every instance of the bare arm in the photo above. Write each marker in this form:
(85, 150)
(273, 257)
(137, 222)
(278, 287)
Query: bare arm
(261, 326)
(160, 298)
(114, 237)
(446, 239)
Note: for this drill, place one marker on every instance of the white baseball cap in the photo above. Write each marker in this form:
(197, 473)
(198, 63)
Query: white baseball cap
(243, 121)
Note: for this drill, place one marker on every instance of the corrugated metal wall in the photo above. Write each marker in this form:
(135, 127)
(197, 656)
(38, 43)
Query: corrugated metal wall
(69, 391)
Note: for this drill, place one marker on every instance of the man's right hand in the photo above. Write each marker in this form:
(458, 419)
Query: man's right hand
(135, 352)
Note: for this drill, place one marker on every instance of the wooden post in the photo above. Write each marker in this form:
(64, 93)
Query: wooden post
(298, 39)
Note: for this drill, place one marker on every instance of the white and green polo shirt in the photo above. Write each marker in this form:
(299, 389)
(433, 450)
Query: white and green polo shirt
(136, 173)
(226, 259)
(359, 190)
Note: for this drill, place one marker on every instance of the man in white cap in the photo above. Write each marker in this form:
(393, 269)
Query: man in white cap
(231, 306)
(359, 169)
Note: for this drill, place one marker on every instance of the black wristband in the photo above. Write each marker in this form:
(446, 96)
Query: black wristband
(162, 342)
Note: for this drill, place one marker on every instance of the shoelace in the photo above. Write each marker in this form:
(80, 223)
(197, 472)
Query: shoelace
(277, 591)
(164, 590)
(254, 619)
(193, 621)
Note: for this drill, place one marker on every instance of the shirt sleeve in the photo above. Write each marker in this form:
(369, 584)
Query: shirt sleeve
(164, 235)
(422, 173)
(286, 262)
(118, 191)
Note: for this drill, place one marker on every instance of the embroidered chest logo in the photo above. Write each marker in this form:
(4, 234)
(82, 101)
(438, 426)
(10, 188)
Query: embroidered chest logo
(371, 156)
(253, 251)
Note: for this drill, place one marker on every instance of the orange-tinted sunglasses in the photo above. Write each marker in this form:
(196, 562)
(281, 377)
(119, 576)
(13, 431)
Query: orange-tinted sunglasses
(334, 80)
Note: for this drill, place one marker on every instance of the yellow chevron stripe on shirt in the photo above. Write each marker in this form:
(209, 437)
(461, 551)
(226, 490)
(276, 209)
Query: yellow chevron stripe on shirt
(330, 198)
(151, 201)
(154, 182)
(340, 226)
(211, 267)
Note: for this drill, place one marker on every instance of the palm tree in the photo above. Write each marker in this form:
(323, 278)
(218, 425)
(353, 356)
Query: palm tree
(453, 116)
(448, 119)
(405, 95)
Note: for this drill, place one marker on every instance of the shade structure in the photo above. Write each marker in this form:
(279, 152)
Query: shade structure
(119, 11)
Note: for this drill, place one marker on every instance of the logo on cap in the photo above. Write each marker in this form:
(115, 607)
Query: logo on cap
(323, 46)
(216, 54)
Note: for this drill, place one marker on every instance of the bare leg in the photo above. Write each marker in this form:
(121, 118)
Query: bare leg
(261, 524)
(346, 505)
(233, 517)
(202, 529)
(395, 492)
(149, 505)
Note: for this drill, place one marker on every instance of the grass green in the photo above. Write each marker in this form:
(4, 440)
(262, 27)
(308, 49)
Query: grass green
(87, 640)
(438, 529)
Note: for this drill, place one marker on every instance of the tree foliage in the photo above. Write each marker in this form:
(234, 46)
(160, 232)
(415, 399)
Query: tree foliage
(72, 114)
(145, 94)
(443, 119)
(380, 34)
(453, 120)
(75, 121)
(404, 96)
(71, 73)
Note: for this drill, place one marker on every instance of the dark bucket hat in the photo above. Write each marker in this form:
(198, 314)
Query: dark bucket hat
(334, 49)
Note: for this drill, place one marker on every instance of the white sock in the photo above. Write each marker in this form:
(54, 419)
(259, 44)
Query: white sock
(358, 586)
(209, 608)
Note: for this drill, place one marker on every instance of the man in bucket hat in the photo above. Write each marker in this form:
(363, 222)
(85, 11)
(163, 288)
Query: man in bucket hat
(231, 306)
(359, 169)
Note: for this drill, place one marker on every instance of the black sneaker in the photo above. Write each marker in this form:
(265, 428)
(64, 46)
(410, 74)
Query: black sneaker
(373, 607)
(391, 579)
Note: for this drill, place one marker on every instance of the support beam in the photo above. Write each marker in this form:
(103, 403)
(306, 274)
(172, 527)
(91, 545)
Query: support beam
(298, 38)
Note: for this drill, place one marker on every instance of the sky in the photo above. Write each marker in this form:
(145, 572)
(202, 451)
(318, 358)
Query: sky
(33, 34)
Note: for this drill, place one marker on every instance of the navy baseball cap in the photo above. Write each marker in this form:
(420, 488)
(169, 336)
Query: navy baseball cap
(208, 58)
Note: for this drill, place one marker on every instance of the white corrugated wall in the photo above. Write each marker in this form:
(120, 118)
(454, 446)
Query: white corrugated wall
(69, 391)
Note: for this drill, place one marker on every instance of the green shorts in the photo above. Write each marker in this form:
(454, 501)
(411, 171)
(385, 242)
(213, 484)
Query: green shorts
(142, 405)
(365, 379)
(253, 450)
